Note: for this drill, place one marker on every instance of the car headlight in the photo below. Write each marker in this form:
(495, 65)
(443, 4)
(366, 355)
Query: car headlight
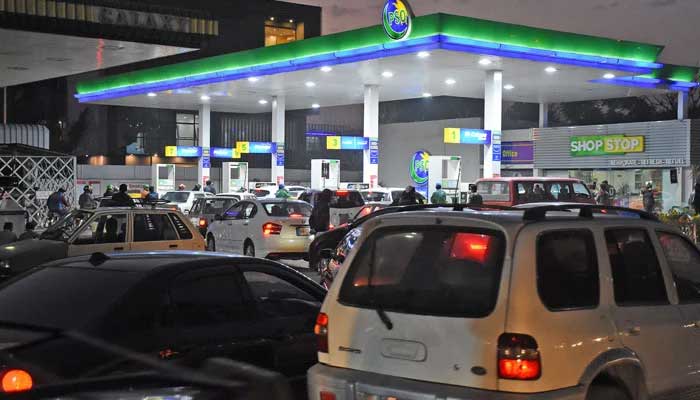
(4, 264)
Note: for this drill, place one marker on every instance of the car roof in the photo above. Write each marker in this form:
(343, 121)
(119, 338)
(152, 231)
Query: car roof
(275, 201)
(529, 179)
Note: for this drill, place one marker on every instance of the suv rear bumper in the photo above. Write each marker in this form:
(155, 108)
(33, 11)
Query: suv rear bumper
(348, 384)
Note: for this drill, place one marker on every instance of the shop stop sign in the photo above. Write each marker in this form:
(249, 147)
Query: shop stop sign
(586, 146)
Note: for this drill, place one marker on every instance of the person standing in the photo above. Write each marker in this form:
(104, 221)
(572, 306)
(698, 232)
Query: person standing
(152, 194)
(408, 197)
(109, 192)
(29, 232)
(122, 198)
(439, 196)
(85, 201)
(321, 214)
(210, 187)
(282, 192)
(648, 198)
(6, 235)
(144, 192)
(475, 198)
(604, 198)
(181, 187)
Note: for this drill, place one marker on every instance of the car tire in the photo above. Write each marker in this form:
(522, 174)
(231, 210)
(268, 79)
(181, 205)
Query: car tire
(606, 392)
(211, 243)
(249, 249)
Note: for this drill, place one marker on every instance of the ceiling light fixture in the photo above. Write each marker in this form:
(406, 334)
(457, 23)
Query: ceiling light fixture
(272, 18)
(450, 81)
(315, 105)
(426, 95)
(204, 97)
(253, 79)
(508, 87)
(291, 21)
(326, 68)
(151, 94)
(609, 76)
(387, 74)
(423, 54)
(262, 102)
(310, 84)
(550, 70)
(485, 61)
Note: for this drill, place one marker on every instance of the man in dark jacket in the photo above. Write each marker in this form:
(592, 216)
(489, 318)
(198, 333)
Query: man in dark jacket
(321, 214)
(408, 197)
(85, 201)
(122, 198)
(210, 187)
(648, 198)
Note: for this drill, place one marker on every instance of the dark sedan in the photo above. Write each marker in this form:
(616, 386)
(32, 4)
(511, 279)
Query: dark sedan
(183, 307)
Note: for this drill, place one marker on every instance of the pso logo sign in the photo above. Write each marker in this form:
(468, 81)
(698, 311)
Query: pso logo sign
(397, 19)
(419, 167)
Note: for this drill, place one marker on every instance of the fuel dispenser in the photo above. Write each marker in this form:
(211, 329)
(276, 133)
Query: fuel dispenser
(447, 171)
(235, 176)
(325, 174)
(163, 177)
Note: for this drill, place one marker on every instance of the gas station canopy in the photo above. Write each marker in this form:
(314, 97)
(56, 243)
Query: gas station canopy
(444, 55)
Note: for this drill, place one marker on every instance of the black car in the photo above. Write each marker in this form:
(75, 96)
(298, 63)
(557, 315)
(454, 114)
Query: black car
(182, 307)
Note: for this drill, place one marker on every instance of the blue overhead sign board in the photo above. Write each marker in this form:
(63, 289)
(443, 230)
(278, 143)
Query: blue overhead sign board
(467, 136)
(183, 151)
(347, 143)
(262, 148)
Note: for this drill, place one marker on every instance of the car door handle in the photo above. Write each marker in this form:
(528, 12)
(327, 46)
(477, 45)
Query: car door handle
(633, 331)
(118, 248)
(173, 246)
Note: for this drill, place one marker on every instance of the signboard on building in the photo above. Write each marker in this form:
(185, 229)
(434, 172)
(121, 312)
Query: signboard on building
(183, 151)
(604, 145)
(515, 153)
(347, 143)
(397, 19)
(418, 168)
(467, 136)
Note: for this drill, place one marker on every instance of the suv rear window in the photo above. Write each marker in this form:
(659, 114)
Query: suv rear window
(346, 199)
(494, 190)
(284, 209)
(429, 271)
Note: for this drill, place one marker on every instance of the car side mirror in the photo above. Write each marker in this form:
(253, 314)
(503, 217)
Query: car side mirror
(327, 253)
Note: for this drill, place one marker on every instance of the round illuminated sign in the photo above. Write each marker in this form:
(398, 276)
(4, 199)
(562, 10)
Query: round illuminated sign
(396, 17)
(419, 167)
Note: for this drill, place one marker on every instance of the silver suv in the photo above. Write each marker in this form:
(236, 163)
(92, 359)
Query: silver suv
(568, 302)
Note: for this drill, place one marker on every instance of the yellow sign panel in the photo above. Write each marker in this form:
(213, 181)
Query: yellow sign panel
(452, 135)
(171, 151)
(242, 147)
(333, 142)
(236, 154)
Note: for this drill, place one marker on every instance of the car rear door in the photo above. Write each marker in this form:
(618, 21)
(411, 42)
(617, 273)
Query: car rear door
(154, 231)
(188, 239)
(421, 301)
(105, 233)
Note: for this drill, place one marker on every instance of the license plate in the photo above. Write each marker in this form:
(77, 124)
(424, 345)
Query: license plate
(303, 231)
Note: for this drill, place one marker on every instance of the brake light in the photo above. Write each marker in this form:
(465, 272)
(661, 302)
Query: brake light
(296, 216)
(327, 396)
(321, 331)
(16, 380)
(518, 357)
(271, 229)
(341, 192)
(203, 223)
(470, 246)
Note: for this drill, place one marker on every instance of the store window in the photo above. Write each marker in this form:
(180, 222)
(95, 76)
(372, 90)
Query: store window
(281, 32)
(187, 129)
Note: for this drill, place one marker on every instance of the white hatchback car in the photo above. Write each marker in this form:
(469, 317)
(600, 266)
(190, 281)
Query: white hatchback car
(268, 228)
(184, 199)
(596, 304)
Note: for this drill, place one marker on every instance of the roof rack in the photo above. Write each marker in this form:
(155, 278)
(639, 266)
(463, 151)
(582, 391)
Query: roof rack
(585, 211)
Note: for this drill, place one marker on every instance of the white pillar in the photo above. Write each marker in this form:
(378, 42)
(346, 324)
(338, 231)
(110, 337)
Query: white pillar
(204, 166)
(278, 111)
(682, 105)
(370, 171)
(493, 107)
(544, 115)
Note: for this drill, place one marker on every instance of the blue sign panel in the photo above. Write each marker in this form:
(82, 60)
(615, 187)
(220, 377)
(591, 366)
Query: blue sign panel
(206, 159)
(280, 155)
(374, 151)
(189, 151)
(474, 136)
(221, 152)
(354, 143)
(262, 148)
(496, 149)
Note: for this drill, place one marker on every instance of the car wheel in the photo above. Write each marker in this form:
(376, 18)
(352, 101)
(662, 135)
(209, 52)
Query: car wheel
(211, 243)
(606, 392)
(249, 250)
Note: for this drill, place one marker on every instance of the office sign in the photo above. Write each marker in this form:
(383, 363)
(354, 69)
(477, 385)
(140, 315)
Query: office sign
(183, 151)
(603, 145)
(467, 136)
(347, 143)
(256, 147)
(514, 153)
(397, 19)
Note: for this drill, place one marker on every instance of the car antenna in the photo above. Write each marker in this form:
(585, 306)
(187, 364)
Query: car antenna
(98, 258)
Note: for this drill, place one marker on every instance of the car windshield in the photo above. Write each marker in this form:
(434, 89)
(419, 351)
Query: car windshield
(176, 197)
(285, 209)
(56, 297)
(65, 227)
(375, 196)
(429, 271)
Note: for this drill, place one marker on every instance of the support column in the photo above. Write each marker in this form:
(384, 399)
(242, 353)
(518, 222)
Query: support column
(204, 167)
(278, 111)
(370, 156)
(682, 105)
(493, 110)
(544, 115)
(4, 105)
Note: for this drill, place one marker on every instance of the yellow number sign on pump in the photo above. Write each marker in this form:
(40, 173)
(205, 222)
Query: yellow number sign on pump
(333, 143)
(171, 151)
(243, 147)
(452, 135)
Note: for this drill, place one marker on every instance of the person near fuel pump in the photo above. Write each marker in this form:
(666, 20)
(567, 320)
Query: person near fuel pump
(439, 196)
(408, 197)
(321, 214)
(152, 196)
(86, 201)
(122, 198)
(475, 198)
(282, 192)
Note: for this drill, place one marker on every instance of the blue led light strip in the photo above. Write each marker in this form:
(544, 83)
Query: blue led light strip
(381, 51)
(648, 83)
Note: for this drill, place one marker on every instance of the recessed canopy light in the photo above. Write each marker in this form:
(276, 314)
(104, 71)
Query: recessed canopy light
(387, 74)
(204, 97)
(426, 94)
(291, 21)
(315, 105)
(310, 84)
(423, 54)
(485, 61)
(550, 70)
(272, 18)
(450, 81)
(609, 76)
(262, 102)
(508, 87)
(326, 68)
(151, 94)
(253, 79)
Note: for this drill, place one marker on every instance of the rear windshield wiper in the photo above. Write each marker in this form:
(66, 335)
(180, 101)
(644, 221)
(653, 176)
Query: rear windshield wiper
(383, 316)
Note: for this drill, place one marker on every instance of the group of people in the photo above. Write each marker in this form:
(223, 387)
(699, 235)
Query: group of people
(606, 195)
(7, 235)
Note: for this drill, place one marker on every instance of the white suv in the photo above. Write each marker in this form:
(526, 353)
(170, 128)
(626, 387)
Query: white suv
(584, 303)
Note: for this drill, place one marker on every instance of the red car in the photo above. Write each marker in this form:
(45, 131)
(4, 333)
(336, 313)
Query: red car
(522, 190)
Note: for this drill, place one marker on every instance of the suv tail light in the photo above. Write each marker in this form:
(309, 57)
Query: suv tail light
(203, 222)
(321, 331)
(16, 380)
(518, 357)
(271, 229)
